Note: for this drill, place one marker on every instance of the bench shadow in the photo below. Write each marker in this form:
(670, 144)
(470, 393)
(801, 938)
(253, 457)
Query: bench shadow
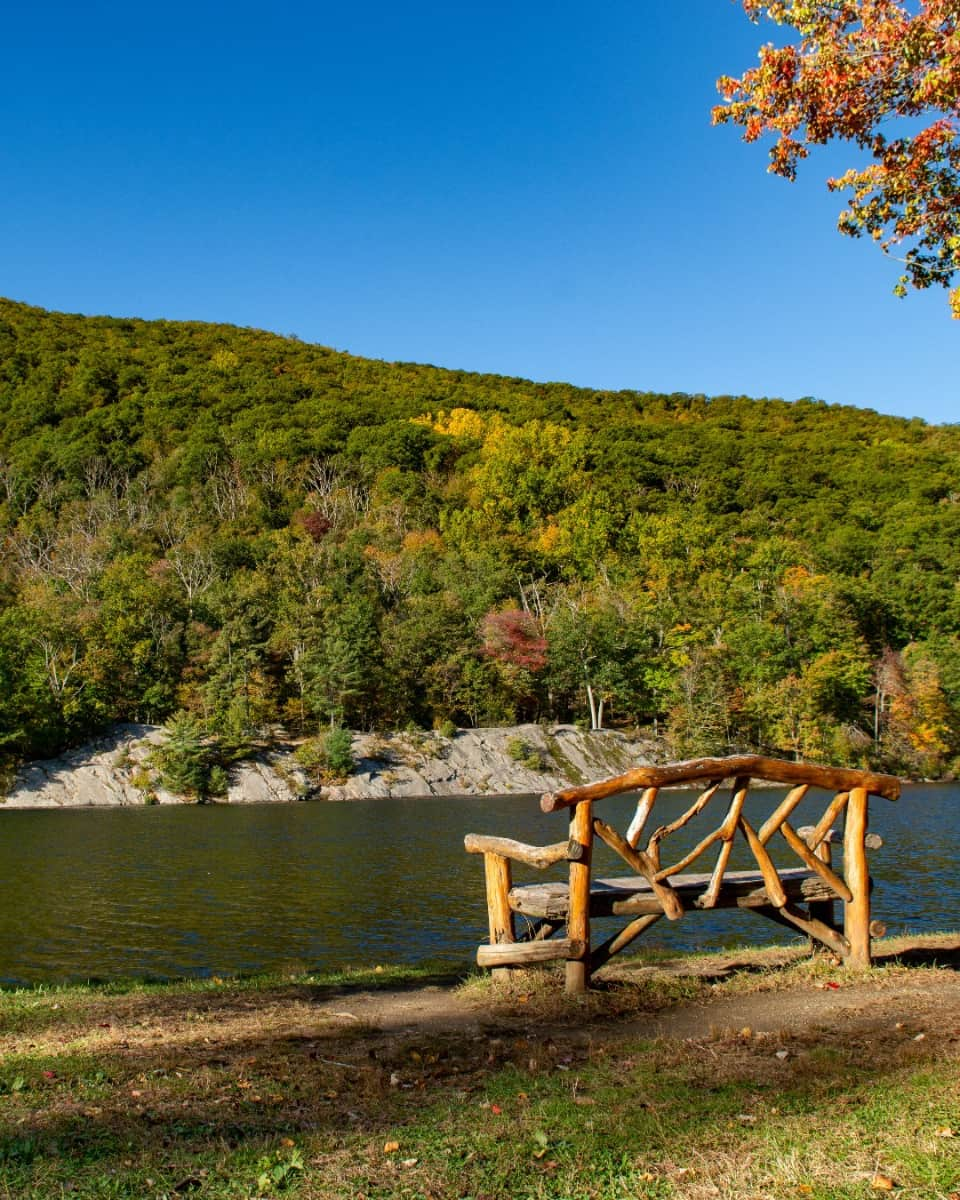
(922, 956)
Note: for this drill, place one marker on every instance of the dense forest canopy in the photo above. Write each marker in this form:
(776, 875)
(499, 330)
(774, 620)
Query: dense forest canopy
(239, 526)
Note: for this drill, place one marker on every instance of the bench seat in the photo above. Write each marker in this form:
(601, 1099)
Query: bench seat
(633, 896)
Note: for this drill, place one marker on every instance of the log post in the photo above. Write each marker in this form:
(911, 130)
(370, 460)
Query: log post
(856, 913)
(578, 920)
(498, 877)
(821, 910)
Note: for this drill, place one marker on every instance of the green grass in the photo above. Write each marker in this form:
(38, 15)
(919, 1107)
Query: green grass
(262, 1088)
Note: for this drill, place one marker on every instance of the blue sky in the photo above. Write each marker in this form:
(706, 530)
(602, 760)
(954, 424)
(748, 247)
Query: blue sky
(531, 189)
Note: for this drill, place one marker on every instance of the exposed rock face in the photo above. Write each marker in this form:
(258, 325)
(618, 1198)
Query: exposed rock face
(117, 769)
(106, 772)
(525, 758)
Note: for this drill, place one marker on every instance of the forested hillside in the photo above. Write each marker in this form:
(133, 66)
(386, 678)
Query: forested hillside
(257, 531)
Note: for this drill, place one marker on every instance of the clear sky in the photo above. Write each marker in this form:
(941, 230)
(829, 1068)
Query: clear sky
(530, 188)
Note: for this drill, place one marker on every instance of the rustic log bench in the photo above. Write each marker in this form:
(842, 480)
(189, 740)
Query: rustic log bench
(801, 897)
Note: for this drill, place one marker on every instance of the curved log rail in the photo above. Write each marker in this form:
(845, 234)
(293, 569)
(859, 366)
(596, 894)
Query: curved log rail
(774, 770)
(801, 898)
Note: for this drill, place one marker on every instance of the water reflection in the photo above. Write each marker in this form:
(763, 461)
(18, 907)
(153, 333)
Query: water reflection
(163, 892)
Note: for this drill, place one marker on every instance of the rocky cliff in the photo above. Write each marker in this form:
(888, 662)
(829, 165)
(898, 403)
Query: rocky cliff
(118, 769)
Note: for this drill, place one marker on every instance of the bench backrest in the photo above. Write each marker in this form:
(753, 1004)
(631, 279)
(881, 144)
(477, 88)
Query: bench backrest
(848, 787)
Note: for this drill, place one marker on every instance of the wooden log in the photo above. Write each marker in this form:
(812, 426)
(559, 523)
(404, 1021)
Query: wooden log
(525, 954)
(772, 769)
(665, 830)
(621, 940)
(814, 862)
(541, 931)
(692, 857)
(639, 861)
(813, 928)
(709, 897)
(534, 856)
(781, 812)
(727, 831)
(820, 910)
(771, 880)
(833, 837)
(644, 808)
(833, 810)
(497, 875)
(856, 913)
(578, 920)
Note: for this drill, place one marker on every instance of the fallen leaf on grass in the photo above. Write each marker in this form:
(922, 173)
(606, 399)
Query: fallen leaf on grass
(409, 1162)
(391, 1147)
(882, 1183)
(945, 1132)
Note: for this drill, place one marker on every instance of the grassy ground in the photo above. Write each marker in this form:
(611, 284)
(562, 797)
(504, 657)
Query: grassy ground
(305, 1087)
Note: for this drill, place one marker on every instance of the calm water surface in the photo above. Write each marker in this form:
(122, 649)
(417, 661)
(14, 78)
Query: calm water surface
(196, 891)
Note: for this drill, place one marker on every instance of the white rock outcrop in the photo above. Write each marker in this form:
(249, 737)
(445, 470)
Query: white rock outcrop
(118, 770)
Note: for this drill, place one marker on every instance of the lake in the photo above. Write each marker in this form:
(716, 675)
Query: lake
(164, 892)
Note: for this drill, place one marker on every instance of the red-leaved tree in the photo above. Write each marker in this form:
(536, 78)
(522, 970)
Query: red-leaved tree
(513, 638)
(883, 75)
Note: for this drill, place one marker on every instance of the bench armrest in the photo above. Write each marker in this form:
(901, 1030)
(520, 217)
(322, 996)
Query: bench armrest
(534, 856)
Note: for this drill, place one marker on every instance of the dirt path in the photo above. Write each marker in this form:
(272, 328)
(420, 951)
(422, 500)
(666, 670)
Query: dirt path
(923, 998)
(757, 996)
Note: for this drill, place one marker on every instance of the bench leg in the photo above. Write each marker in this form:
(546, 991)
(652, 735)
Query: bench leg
(498, 879)
(823, 911)
(856, 912)
(578, 920)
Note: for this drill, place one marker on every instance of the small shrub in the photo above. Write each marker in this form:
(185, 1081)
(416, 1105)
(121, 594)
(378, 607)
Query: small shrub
(339, 749)
(141, 779)
(517, 749)
(327, 758)
(189, 762)
(218, 781)
(526, 755)
(447, 729)
(183, 759)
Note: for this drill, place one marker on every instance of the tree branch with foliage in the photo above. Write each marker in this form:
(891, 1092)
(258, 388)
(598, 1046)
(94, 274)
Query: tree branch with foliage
(861, 69)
